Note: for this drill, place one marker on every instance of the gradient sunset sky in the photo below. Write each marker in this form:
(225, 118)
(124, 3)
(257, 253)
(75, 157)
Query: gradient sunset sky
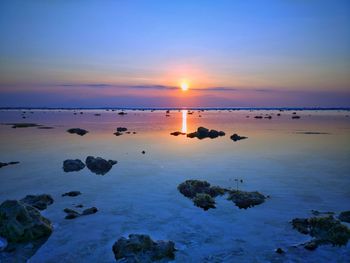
(136, 53)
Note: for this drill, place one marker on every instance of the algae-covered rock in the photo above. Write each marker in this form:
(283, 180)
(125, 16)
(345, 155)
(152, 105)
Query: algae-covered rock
(99, 165)
(344, 216)
(38, 201)
(244, 199)
(204, 201)
(141, 248)
(20, 222)
(78, 131)
(71, 165)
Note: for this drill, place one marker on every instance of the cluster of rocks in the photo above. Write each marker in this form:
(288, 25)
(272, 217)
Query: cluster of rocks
(203, 132)
(122, 130)
(22, 125)
(22, 227)
(177, 133)
(203, 195)
(141, 248)
(6, 164)
(78, 131)
(96, 165)
(71, 214)
(323, 230)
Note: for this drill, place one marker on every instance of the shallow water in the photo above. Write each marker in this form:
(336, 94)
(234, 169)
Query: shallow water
(299, 171)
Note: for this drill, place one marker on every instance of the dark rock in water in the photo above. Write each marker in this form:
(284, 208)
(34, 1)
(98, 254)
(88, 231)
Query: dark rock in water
(141, 248)
(22, 125)
(99, 165)
(312, 133)
(295, 117)
(90, 211)
(317, 213)
(38, 201)
(204, 201)
(258, 117)
(344, 216)
(177, 133)
(201, 193)
(244, 199)
(278, 114)
(21, 222)
(118, 133)
(45, 128)
(279, 251)
(78, 131)
(97, 114)
(235, 137)
(73, 165)
(268, 117)
(324, 230)
(122, 129)
(6, 164)
(122, 113)
(202, 133)
(143, 152)
(72, 193)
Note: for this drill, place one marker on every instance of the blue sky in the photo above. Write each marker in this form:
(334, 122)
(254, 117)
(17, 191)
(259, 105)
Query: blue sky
(287, 47)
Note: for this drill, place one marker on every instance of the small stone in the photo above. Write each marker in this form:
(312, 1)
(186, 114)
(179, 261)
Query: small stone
(72, 193)
(90, 211)
(279, 251)
(78, 131)
(71, 165)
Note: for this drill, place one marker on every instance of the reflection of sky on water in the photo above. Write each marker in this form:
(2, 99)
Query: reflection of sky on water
(184, 121)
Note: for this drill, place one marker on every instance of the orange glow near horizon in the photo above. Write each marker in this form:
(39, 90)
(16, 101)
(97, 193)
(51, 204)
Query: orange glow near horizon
(184, 85)
(184, 121)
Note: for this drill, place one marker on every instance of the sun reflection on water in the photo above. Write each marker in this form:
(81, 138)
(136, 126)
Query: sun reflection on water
(184, 121)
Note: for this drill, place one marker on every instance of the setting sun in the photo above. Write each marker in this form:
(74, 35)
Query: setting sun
(184, 86)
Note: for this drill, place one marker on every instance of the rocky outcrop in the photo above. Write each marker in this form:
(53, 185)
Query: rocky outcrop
(71, 165)
(20, 222)
(99, 165)
(38, 201)
(235, 137)
(202, 133)
(78, 131)
(6, 164)
(323, 230)
(141, 248)
(244, 199)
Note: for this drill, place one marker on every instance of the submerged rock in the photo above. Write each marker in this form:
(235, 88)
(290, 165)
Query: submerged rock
(177, 133)
(295, 117)
(344, 216)
(22, 125)
(99, 165)
(244, 199)
(38, 201)
(202, 133)
(20, 222)
(235, 137)
(72, 193)
(71, 214)
(324, 230)
(118, 133)
(71, 165)
(122, 113)
(78, 131)
(6, 164)
(141, 248)
(90, 211)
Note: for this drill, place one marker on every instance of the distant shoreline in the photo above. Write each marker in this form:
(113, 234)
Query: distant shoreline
(183, 108)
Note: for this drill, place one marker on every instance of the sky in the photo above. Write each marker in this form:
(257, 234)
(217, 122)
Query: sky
(129, 53)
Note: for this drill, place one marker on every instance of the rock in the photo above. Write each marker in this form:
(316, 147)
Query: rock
(235, 137)
(97, 114)
(258, 117)
(244, 199)
(141, 248)
(45, 128)
(279, 251)
(20, 222)
(38, 201)
(22, 125)
(344, 216)
(201, 193)
(177, 133)
(204, 201)
(143, 152)
(202, 133)
(90, 211)
(78, 131)
(295, 117)
(99, 165)
(118, 133)
(324, 230)
(71, 165)
(71, 214)
(72, 193)
(6, 164)
(122, 113)
(121, 129)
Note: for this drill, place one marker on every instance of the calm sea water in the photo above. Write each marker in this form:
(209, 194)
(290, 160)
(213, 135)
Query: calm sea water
(299, 171)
